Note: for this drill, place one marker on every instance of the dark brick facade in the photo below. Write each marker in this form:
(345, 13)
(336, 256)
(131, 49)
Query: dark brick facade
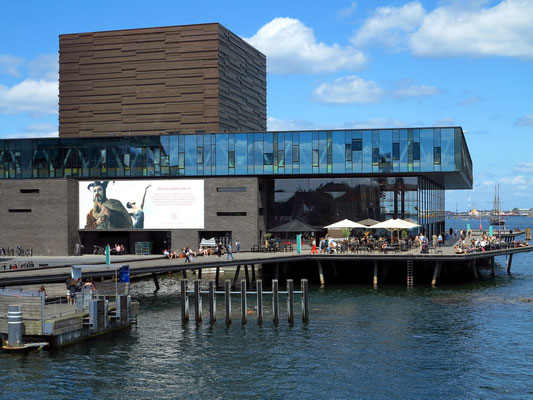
(158, 80)
(40, 214)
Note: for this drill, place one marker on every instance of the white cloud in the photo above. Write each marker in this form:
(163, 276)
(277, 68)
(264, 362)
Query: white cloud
(276, 124)
(348, 12)
(524, 168)
(291, 47)
(349, 90)
(470, 100)
(45, 66)
(30, 96)
(413, 91)
(513, 180)
(10, 65)
(526, 120)
(36, 130)
(355, 90)
(445, 121)
(458, 28)
(389, 25)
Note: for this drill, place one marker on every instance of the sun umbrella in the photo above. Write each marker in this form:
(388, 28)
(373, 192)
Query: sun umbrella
(345, 223)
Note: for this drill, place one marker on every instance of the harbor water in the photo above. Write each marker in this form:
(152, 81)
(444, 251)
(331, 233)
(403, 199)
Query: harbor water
(467, 341)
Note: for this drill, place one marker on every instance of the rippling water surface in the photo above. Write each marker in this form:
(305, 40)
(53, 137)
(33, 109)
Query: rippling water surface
(454, 342)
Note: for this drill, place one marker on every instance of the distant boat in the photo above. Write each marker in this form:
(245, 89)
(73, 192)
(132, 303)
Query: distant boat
(496, 217)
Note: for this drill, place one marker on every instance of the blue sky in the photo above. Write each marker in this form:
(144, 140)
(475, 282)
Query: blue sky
(361, 64)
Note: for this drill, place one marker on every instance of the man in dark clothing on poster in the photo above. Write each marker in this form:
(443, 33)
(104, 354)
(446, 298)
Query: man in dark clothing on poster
(106, 213)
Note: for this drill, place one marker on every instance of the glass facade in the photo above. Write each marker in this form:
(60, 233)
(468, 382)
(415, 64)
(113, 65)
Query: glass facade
(383, 151)
(319, 176)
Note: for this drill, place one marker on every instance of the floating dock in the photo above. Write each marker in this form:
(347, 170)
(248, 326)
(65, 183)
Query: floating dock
(28, 320)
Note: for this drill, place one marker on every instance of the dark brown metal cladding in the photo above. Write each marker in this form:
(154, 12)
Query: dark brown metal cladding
(160, 80)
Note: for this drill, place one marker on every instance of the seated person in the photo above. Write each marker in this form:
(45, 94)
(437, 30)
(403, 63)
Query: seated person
(425, 248)
(457, 250)
(204, 251)
(189, 250)
(167, 254)
(117, 249)
(122, 249)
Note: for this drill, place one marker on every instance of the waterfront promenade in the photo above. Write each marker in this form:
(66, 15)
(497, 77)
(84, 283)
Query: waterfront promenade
(57, 269)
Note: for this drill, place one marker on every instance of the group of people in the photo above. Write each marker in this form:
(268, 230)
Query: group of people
(76, 285)
(486, 242)
(189, 254)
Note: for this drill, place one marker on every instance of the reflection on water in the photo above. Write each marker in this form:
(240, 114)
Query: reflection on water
(460, 341)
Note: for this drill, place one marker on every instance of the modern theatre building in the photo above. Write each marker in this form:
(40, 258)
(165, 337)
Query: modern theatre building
(162, 139)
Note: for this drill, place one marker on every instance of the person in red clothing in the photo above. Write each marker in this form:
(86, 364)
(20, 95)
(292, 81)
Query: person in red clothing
(313, 250)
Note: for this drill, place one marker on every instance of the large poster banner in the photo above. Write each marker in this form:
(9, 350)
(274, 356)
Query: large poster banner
(150, 204)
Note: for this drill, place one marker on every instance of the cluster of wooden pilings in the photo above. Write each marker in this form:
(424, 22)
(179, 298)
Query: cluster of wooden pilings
(259, 308)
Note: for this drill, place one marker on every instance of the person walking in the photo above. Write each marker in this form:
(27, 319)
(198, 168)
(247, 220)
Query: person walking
(229, 252)
(313, 250)
(238, 245)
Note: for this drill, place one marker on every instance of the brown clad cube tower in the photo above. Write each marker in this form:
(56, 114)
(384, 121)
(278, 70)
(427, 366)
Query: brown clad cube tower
(153, 81)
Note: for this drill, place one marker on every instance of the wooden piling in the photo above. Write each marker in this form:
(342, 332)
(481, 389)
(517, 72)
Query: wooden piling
(156, 282)
(236, 276)
(197, 302)
(305, 300)
(259, 284)
(276, 271)
(212, 303)
(275, 301)
(290, 301)
(184, 301)
(244, 303)
(227, 300)
(217, 276)
(320, 273)
(375, 272)
(509, 264)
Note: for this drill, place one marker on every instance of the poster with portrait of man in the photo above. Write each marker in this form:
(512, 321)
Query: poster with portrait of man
(141, 204)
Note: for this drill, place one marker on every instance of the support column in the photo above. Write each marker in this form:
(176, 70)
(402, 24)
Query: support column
(509, 265)
(217, 276)
(247, 275)
(212, 303)
(244, 303)
(275, 302)
(375, 272)
(474, 269)
(197, 302)
(227, 300)
(436, 271)
(236, 275)
(320, 273)
(290, 301)
(200, 273)
(156, 282)
(253, 273)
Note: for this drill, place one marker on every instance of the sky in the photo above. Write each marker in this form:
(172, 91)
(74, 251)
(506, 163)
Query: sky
(344, 64)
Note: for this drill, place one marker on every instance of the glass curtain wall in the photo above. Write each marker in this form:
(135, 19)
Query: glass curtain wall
(263, 153)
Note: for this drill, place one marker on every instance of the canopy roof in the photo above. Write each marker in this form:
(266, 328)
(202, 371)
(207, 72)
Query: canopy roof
(208, 242)
(345, 223)
(368, 222)
(295, 225)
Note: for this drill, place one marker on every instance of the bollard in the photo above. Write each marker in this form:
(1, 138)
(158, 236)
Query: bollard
(259, 283)
(15, 326)
(184, 301)
(290, 301)
(212, 303)
(244, 303)
(227, 299)
(305, 300)
(275, 301)
(122, 308)
(197, 302)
